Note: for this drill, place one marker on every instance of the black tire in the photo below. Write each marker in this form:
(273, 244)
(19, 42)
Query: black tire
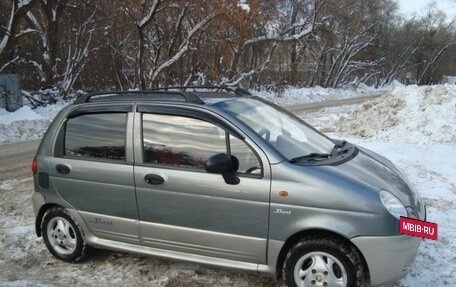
(62, 235)
(309, 250)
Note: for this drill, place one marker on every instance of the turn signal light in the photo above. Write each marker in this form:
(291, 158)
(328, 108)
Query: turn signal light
(283, 193)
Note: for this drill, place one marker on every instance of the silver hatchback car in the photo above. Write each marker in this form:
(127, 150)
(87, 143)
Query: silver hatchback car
(217, 176)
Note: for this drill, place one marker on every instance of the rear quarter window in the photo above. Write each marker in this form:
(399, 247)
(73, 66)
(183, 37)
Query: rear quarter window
(97, 136)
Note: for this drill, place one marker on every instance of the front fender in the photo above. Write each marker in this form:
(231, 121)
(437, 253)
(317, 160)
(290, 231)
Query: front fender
(288, 220)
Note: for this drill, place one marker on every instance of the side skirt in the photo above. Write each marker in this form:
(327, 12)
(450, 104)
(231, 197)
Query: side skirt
(168, 254)
(97, 242)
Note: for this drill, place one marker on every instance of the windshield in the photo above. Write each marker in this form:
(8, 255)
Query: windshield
(285, 132)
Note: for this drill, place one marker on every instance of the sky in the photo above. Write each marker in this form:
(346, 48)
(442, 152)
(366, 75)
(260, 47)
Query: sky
(409, 7)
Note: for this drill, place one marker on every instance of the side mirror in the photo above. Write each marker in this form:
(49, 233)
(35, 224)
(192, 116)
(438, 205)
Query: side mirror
(225, 165)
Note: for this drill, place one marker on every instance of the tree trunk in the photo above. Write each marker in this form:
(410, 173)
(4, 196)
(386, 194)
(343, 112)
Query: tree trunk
(140, 80)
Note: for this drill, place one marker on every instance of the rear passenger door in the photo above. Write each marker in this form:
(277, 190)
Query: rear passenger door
(189, 210)
(93, 171)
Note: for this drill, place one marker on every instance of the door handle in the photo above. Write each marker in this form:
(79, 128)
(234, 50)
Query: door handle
(63, 169)
(154, 179)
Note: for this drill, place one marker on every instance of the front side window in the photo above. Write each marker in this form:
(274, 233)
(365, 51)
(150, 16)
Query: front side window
(180, 141)
(248, 160)
(99, 136)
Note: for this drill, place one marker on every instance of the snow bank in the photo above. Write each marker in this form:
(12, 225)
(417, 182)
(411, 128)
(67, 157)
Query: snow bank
(414, 127)
(23, 114)
(416, 115)
(25, 123)
(432, 171)
(291, 95)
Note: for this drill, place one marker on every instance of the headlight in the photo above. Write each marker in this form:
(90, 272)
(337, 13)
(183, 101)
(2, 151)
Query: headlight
(392, 204)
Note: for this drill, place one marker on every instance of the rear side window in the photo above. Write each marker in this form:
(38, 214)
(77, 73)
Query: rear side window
(99, 136)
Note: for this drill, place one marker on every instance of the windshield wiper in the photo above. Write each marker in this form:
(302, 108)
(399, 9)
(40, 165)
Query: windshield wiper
(313, 155)
(339, 145)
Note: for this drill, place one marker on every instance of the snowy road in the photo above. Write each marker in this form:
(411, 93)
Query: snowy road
(428, 162)
(17, 157)
(315, 107)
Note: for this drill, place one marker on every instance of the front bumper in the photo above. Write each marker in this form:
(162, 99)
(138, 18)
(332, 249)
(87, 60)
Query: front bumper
(388, 258)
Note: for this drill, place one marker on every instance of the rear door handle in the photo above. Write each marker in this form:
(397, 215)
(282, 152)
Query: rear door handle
(63, 169)
(154, 179)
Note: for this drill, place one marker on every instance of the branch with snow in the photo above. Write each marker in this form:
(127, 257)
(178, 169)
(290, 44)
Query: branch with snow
(77, 55)
(184, 47)
(287, 38)
(237, 79)
(244, 5)
(12, 61)
(146, 19)
(18, 9)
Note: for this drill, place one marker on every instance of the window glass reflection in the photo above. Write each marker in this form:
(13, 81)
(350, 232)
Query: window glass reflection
(248, 160)
(180, 141)
(96, 136)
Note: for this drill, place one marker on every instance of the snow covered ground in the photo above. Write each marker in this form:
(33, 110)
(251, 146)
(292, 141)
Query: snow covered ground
(412, 126)
(415, 127)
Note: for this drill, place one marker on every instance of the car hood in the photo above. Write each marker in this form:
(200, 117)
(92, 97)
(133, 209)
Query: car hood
(376, 171)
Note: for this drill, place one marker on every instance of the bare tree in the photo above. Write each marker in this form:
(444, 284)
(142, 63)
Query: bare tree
(141, 44)
(77, 54)
(439, 35)
(64, 45)
(18, 9)
(399, 61)
(141, 24)
(342, 49)
(269, 34)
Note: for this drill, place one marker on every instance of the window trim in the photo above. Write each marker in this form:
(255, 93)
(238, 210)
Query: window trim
(190, 113)
(99, 110)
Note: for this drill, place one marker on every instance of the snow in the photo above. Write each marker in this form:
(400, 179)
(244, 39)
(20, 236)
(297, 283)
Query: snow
(432, 170)
(23, 114)
(412, 126)
(25, 123)
(11, 183)
(416, 115)
(22, 3)
(291, 95)
(244, 5)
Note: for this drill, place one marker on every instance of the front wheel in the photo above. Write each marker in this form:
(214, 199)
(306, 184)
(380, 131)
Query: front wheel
(323, 262)
(62, 235)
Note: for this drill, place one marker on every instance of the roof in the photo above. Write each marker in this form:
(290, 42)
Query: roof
(189, 94)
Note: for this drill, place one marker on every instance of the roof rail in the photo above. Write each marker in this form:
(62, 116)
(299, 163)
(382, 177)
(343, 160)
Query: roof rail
(188, 97)
(238, 91)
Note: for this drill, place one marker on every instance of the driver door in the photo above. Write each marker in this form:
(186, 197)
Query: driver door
(186, 209)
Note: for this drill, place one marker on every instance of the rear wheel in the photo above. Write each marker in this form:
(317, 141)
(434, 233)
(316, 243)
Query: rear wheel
(321, 261)
(62, 235)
